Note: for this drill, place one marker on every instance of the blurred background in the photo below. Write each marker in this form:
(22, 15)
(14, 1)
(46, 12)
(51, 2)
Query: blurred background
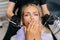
(53, 6)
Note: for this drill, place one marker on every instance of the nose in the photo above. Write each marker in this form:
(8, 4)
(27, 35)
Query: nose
(32, 17)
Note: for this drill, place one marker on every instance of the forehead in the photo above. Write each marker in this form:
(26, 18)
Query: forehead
(30, 8)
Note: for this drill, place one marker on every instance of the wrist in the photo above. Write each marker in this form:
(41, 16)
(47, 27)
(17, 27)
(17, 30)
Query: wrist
(14, 16)
(45, 18)
(38, 37)
(15, 19)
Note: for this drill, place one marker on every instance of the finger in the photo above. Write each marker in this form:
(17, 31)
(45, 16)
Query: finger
(33, 25)
(40, 26)
(30, 24)
(37, 27)
(34, 28)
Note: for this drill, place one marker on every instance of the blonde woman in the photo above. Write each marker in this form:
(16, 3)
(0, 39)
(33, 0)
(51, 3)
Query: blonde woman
(32, 28)
(10, 12)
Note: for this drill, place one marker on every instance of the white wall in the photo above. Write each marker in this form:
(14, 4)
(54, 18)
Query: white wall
(3, 6)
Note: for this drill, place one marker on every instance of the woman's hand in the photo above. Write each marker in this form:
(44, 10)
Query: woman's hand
(33, 31)
(37, 31)
(30, 31)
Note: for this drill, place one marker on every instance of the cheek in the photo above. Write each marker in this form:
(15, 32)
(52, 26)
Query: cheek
(26, 20)
(36, 19)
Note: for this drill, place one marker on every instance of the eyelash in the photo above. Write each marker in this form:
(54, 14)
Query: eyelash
(28, 14)
(36, 14)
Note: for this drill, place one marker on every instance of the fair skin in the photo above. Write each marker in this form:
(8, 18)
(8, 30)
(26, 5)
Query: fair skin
(32, 22)
(9, 11)
(45, 9)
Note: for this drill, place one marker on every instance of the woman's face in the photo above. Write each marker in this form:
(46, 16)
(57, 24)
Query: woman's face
(30, 13)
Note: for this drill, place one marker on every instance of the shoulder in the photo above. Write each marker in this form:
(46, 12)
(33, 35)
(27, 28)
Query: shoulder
(21, 30)
(20, 34)
(46, 30)
(46, 36)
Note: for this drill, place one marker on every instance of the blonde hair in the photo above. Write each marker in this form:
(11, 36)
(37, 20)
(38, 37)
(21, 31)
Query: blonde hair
(37, 6)
(46, 30)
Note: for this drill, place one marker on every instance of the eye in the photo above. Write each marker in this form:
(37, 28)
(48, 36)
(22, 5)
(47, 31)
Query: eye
(36, 14)
(26, 15)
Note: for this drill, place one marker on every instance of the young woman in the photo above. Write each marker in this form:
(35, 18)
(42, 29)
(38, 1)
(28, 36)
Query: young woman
(32, 28)
(10, 12)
